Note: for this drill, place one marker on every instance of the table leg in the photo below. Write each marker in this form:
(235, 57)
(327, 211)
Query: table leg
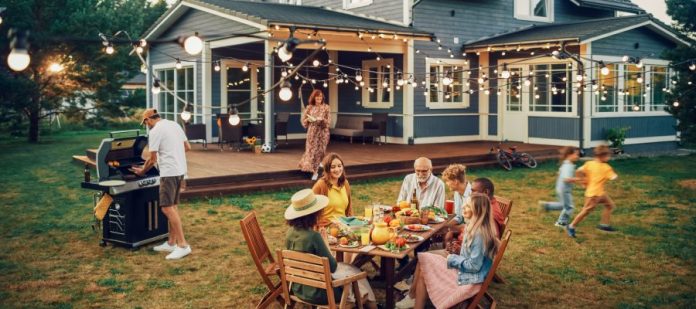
(388, 267)
(339, 256)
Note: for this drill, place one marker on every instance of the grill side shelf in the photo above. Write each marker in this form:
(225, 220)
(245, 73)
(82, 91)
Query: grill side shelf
(93, 186)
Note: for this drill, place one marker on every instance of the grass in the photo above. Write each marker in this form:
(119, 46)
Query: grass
(49, 257)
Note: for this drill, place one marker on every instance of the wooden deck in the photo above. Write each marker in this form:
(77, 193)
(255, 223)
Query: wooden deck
(212, 172)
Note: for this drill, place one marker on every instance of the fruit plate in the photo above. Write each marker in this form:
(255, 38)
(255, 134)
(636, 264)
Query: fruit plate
(352, 244)
(385, 248)
(417, 227)
(412, 238)
(436, 220)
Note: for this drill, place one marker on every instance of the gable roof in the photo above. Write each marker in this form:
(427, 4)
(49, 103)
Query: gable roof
(619, 5)
(263, 14)
(582, 32)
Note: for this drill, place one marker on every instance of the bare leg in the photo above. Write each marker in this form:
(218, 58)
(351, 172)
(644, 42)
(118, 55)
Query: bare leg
(608, 208)
(421, 294)
(590, 204)
(175, 224)
(416, 278)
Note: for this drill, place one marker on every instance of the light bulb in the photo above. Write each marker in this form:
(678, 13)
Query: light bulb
(18, 59)
(234, 119)
(625, 58)
(362, 83)
(55, 67)
(143, 69)
(527, 82)
(0, 20)
(605, 71)
(285, 93)
(326, 85)
(400, 82)
(217, 67)
(636, 107)
(186, 116)
(692, 66)
(358, 78)
(139, 49)
(578, 77)
(109, 49)
(505, 74)
(193, 45)
(178, 64)
(316, 63)
(675, 104)
(385, 84)
(446, 80)
(245, 67)
(284, 53)
(639, 64)
(639, 80)
(156, 89)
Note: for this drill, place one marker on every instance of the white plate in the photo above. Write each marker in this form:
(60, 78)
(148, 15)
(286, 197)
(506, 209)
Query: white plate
(420, 238)
(423, 228)
(436, 220)
(353, 244)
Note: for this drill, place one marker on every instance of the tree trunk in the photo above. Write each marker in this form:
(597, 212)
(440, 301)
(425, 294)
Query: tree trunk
(34, 126)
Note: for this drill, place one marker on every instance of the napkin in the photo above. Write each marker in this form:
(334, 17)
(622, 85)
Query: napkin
(351, 221)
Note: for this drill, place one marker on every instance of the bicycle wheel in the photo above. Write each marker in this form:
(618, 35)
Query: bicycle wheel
(504, 161)
(527, 160)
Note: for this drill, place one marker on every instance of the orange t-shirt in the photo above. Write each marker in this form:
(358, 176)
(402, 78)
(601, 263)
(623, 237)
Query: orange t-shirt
(597, 173)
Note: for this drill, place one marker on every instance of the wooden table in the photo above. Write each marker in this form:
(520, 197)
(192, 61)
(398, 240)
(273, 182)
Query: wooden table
(388, 259)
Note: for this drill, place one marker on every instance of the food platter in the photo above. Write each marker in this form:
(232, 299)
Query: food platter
(412, 238)
(436, 220)
(417, 227)
(351, 244)
(386, 248)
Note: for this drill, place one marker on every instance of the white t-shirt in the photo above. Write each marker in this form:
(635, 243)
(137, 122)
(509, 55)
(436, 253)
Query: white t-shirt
(167, 139)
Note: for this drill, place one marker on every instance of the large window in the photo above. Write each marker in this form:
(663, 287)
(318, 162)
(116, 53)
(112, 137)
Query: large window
(181, 83)
(350, 4)
(378, 91)
(605, 90)
(551, 88)
(514, 91)
(534, 10)
(243, 82)
(658, 82)
(634, 82)
(454, 95)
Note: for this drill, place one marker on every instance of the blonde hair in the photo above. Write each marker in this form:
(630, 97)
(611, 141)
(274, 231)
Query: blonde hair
(482, 224)
(455, 172)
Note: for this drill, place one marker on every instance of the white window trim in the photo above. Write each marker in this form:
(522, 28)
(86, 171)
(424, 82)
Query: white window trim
(366, 64)
(172, 66)
(293, 2)
(549, 10)
(347, 5)
(621, 99)
(440, 104)
(526, 97)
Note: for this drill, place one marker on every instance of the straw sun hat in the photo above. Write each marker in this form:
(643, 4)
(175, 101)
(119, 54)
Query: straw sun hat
(305, 202)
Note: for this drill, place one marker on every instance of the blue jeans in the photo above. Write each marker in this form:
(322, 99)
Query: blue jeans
(564, 204)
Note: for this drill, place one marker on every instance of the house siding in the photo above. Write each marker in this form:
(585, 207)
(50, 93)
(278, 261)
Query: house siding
(640, 126)
(446, 126)
(387, 9)
(650, 44)
(554, 128)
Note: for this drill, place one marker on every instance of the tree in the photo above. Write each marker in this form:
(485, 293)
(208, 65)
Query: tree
(64, 33)
(682, 96)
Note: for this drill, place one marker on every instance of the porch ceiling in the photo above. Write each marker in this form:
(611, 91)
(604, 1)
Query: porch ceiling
(574, 32)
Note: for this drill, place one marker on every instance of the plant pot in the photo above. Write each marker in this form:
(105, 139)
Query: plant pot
(257, 149)
(616, 151)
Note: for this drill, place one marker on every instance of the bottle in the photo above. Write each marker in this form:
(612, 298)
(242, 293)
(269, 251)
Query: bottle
(87, 173)
(414, 200)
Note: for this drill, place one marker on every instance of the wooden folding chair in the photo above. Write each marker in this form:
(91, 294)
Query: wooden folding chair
(475, 302)
(311, 270)
(505, 205)
(260, 253)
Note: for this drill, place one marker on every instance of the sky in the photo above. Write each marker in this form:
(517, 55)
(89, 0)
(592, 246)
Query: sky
(656, 7)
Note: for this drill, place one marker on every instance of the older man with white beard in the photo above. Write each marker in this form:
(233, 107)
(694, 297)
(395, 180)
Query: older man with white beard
(430, 190)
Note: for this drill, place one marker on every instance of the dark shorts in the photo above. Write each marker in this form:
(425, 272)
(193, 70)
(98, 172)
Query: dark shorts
(169, 190)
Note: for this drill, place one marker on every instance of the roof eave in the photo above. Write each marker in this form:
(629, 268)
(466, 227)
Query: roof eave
(497, 46)
(414, 35)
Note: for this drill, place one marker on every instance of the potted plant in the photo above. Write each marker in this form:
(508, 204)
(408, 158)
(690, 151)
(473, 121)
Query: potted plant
(616, 138)
(258, 146)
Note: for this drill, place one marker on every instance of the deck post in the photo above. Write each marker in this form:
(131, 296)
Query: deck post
(269, 119)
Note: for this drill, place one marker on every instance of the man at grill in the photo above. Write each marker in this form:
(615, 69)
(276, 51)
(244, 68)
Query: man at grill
(168, 146)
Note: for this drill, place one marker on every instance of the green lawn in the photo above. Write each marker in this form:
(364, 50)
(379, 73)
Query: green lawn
(49, 256)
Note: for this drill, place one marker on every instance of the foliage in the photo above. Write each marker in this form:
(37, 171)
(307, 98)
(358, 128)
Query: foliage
(617, 136)
(683, 12)
(66, 32)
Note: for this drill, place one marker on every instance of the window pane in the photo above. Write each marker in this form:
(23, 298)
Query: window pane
(539, 8)
(372, 81)
(539, 89)
(634, 91)
(189, 79)
(181, 79)
(561, 90)
(169, 79)
(514, 100)
(385, 92)
(237, 79)
(434, 80)
(658, 82)
(522, 7)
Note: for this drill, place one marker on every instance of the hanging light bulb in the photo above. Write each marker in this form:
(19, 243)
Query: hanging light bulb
(639, 64)
(156, 87)
(400, 82)
(193, 45)
(185, 115)
(245, 67)
(358, 77)
(326, 85)
(506, 73)
(692, 66)
(284, 73)
(446, 80)
(285, 93)
(217, 66)
(385, 83)
(527, 82)
(675, 104)
(639, 79)
(603, 68)
(316, 63)
(579, 76)
(362, 83)
(109, 49)
(285, 51)
(178, 64)
(625, 58)
(636, 108)
(234, 117)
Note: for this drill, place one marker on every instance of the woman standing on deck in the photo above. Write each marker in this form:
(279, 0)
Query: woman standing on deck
(316, 120)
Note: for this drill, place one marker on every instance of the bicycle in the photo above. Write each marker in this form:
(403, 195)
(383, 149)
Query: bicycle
(507, 158)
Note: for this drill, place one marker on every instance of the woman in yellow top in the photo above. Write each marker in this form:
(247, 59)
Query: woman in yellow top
(334, 185)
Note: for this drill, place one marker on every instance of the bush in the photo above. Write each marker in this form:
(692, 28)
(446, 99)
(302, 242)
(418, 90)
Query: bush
(617, 136)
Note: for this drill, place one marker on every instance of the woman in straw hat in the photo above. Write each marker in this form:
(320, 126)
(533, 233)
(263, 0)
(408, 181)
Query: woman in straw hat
(302, 216)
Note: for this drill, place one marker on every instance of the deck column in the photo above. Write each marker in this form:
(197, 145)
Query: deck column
(269, 119)
(483, 98)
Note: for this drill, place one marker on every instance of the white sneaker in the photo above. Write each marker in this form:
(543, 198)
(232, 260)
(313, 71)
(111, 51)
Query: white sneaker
(406, 303)
(164, 247)
(179, 252)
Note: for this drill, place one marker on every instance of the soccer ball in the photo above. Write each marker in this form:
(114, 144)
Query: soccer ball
(266, 148)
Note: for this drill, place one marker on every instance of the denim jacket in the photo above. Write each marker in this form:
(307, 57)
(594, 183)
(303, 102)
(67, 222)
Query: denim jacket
(471, 263)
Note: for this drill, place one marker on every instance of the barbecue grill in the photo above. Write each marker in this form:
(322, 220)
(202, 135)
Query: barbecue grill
(133, 218)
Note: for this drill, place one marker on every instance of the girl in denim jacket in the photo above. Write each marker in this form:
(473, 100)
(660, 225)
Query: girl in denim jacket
(449, 278)
(564, 186)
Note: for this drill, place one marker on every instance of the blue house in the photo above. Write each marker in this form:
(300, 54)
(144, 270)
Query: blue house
(557, 72)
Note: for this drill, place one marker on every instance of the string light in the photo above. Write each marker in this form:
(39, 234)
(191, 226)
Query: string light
(692, 66)
(285, 92)
(186, 115)
(217, 66)
(234, 117)
(18, 59)
(316, 63)
(639, 79)
(178, 65)
(110, 49)
(156, 87)
(193, 45)
(446, 80)
(604, 70)
(245, 67)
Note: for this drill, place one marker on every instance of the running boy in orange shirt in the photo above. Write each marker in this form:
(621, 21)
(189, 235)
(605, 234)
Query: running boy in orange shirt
(596, 173)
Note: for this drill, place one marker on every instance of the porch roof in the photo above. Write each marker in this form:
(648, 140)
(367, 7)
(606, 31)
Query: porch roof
(286, 15)
(620, 5)
(579, 32)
